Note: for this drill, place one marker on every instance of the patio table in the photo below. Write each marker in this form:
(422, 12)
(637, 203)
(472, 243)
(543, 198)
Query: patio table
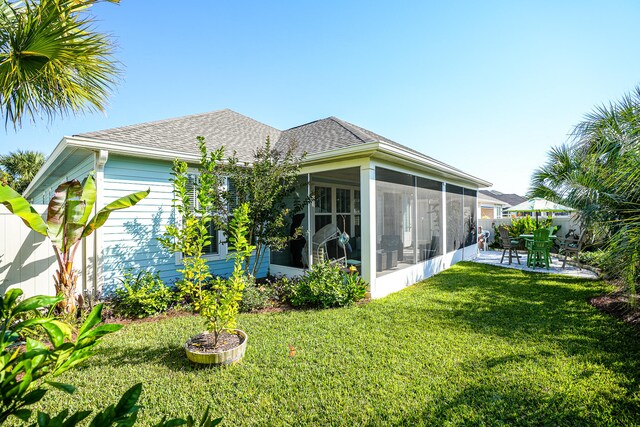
(530, 236)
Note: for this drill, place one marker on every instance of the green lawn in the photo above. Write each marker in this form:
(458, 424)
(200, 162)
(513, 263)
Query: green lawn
(473, 345)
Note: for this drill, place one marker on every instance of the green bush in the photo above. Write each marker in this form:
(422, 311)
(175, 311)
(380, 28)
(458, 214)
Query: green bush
(527, 225)
(256, 297)
(326, 285)
(599, 258)
(142, 295)
(497, 241)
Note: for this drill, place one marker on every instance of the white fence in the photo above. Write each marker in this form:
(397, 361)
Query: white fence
(565, 223)
(27, 259)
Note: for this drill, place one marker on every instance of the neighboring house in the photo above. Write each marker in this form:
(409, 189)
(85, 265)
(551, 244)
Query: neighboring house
(408, 215)
(493, 204)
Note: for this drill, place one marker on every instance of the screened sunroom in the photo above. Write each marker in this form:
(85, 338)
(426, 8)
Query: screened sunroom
(396, 223)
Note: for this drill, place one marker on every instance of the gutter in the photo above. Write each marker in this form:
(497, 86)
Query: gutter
(366, 150)
(371, 148)
(134, 150)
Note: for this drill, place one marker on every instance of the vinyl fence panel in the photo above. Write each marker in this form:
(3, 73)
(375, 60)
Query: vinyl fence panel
(27, 259)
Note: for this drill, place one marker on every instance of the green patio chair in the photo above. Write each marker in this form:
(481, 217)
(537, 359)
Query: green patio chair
(538, 248)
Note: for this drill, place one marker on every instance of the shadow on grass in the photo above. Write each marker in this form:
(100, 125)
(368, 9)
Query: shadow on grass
(517, 405)
(172, 357)
(539, 307)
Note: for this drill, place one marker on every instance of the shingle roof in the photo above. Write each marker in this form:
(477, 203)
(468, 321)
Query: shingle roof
(243, 134)
(510, 199)
(328, 134)
(333, 133)
(223, 127)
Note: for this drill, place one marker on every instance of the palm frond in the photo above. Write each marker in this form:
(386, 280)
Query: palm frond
(52, 61)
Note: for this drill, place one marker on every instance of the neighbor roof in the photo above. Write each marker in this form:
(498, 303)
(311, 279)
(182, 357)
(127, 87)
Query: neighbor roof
(510, 199)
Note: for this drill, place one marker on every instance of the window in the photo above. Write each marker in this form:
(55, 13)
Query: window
(213, 248)
(486, 212)
(455, 218)
(470, 222)
(339, 205)
(395, 219)
(429, 210)
(323, 207)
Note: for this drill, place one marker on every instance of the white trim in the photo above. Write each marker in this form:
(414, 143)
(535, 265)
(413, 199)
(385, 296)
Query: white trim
(130, 149)
(361, 150)
(400, 279)
(100, 160)
(404, 153)
(57, 152)
(396, 153)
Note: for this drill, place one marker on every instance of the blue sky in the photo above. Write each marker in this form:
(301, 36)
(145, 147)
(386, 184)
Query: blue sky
(487, 87)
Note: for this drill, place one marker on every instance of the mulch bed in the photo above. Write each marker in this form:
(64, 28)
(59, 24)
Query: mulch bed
(110, 318)
(618, 305)
(204, 342)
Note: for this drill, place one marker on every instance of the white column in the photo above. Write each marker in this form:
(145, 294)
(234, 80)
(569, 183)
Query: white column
(368, 226)
(310, 219)
(444, 218)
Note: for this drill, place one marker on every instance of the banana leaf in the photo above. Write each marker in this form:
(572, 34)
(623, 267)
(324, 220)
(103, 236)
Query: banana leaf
(122, 203)
(56, 213)
(19, 206)
(74, 212)
(89, 197)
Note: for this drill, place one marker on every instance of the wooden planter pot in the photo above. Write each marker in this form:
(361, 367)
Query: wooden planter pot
(222, 358)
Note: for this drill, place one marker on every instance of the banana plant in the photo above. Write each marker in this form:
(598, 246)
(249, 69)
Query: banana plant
(67, 223)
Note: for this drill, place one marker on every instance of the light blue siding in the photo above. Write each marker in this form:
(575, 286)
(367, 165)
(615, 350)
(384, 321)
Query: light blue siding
(79, 172)
(130, 235)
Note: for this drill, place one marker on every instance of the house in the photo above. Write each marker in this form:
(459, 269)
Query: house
(408, 216)
(493, 204)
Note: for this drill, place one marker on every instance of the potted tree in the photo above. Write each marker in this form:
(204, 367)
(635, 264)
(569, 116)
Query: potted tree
(199, 202)
(221, 343)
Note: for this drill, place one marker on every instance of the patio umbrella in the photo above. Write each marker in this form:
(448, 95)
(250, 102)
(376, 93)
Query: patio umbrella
(538, 205)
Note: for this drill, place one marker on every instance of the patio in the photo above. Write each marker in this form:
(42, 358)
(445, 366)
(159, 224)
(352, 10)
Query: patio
(493, 258)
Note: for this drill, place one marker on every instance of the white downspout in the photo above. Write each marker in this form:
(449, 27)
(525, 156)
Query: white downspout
(101, 158)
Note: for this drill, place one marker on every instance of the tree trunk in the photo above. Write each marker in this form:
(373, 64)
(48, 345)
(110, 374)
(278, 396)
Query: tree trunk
(65, 283)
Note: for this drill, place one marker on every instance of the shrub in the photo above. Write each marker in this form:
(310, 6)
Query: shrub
(599, 258)
(256, 297)
(326, 285)
(142, 295)
(527, 225)
(497, 241)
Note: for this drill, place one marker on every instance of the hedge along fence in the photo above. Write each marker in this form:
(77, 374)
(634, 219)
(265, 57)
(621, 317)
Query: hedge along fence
(27, 259)
(566, 224)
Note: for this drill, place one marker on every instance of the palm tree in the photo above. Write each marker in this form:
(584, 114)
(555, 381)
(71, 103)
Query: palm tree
(21, 167)
(599, 175)
(52, 62)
